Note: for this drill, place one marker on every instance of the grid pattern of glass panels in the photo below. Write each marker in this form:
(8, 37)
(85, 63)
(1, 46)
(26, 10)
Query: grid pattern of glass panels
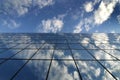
(47, 56)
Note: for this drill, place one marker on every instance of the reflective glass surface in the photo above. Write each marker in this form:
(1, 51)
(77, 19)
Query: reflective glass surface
(65, 56)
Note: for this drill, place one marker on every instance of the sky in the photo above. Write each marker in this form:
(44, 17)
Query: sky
(59, 16)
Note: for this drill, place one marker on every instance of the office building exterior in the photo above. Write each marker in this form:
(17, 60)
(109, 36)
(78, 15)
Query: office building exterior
(61, 56)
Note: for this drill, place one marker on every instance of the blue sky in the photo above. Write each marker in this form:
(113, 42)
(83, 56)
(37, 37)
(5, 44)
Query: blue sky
(54, 16)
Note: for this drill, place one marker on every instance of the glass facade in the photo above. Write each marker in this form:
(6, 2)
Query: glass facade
(61, 56)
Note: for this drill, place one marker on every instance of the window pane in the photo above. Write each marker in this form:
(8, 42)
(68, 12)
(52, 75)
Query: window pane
(92, 70)
(62, 54)
(81, 54)
(34, 70)
(8, 69)
(63, 70)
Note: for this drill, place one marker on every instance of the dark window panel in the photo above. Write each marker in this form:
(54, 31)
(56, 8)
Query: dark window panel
(34, 70)
(43, 54)
(8, 69)
(9, 53)
(62, 46)
(25, 54)
(81, 54)
(75, 46)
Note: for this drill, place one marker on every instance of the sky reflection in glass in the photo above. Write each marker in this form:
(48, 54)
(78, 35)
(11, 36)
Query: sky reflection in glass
(56, 57)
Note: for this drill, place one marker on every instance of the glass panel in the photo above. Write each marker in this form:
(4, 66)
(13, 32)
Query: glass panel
(3, 50)
(81, 54)
(21, 46)
(25, 54)
(107, 46)
(91, 70)
(62, 54)
(89, 46)
(115, 45)
(34, 70)
(115, 53)
(50, 41)
(1, 60)
(7, 45)
(61, 41)
(62, 46)
(48, 46)
(100, 54)
(63, 70)
(71, 40)
(113, 67)
(43, 54)
(75, 46)
(9, 53)
(8, 69)
(34, 46)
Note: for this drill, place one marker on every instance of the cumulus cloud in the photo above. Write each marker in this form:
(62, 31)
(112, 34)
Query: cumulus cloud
(21, 7)
(85, 40)
(15, 7)
(51, 25)
(78, 28)
(12, 24)
(88, 7)
(100, 38)
(100, 15)
(43, 3)
(104, 11)
(83, 24)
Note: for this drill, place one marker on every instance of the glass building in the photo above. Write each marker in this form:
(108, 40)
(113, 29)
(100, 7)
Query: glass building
(61, 56)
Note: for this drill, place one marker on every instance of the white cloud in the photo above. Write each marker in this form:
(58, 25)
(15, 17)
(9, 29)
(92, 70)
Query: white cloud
(85, 40)
(51, 25)
(78, 28)
(83, 24)
(15, 7)
(104, 11)
(43, 3)
(88, 7)
(100, 38)
(21, 7)
(11, 24)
